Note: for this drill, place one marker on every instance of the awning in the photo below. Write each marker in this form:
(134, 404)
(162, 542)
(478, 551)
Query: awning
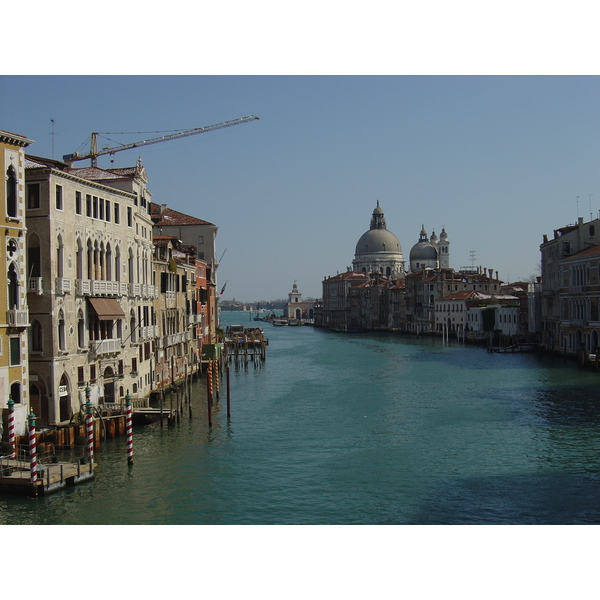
(107, 309)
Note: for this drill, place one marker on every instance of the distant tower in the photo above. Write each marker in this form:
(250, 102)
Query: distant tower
(444, 250)
(433, 240)
(294, 298)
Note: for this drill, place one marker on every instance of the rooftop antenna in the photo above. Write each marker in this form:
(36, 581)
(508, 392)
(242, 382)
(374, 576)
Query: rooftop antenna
(473, 258)
(577, 202)
(590, 199)
(52, 134)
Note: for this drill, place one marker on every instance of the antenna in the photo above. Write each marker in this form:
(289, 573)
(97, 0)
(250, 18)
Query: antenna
(590, 199)
(577, 202)
(473, 257)
(52, 134)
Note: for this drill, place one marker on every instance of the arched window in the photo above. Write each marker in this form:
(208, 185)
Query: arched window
(34, 256)
(60, 266)
(13, 287)
(79, 259)
(131, 266)
(15, 392)
(11, 192)
(36, 336)
(109, 263)
(62, 338)
(90, 260)
(80, 330)
(117, 264)
(132, 325)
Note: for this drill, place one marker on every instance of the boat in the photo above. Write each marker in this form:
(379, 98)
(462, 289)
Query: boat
(280, 322)
(293, 322)
(514, 348)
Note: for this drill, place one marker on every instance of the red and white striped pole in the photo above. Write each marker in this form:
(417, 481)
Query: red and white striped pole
(89, 424)
(11, 427)
(209, 392)
(217, 378)
(32, 448)
(128, 428)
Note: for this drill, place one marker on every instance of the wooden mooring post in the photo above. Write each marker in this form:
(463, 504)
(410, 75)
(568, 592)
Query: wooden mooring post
(228, 392)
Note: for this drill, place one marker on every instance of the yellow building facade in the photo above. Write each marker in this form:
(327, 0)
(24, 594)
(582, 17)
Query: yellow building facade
(14, 316)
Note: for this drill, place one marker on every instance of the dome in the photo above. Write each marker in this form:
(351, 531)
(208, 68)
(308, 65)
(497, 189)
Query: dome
(378, 240)
(423, 254)
(423, 251)
(378, 250)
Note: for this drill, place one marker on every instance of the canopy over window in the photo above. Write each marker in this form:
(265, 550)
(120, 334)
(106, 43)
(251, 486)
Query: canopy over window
(107, 309)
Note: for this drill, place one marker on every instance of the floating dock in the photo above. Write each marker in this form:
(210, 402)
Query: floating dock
(15, 478)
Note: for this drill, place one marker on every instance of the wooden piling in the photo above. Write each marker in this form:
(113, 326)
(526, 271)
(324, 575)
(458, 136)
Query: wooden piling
(228, 393)
(209, 393)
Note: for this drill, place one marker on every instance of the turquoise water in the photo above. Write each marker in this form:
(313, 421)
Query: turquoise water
(357, 429)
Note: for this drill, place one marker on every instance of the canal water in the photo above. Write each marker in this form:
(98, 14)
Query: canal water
(371, 429)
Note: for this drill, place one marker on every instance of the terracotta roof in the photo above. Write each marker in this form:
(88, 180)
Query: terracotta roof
(464, 295)
(168, 217)
(96, 174)
(587, 252)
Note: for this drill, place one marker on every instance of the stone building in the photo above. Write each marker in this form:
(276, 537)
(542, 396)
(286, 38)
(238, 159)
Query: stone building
(14, 317)
(570, 297)
(299, 309)
(200, 234)
(91, 291)
(175, 306)
(335, 312)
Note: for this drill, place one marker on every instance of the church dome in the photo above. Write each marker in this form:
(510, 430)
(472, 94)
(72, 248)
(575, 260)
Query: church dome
(378, 250)
(423, 251)
(377, 240)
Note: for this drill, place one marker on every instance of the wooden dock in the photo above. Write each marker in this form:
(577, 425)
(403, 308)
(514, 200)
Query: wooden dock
(245, 344)
(51, 477)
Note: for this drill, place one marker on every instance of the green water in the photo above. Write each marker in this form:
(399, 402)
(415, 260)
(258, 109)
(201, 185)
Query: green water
(357, 429)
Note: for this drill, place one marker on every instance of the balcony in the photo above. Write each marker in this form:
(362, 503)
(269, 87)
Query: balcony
(63, 285)
(17, 317)
(107, 346)
(135, 290)
(34, 284)
(99, 287)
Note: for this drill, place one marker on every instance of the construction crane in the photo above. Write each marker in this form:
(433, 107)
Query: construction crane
(94, 153)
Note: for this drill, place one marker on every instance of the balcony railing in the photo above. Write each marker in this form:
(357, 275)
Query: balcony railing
(135, 290)
(100, 287)
(63, 285)
(106, 346)
(34, 284)
(17, 317)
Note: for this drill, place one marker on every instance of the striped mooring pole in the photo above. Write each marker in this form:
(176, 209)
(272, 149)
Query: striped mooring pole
(128, 428)
(32, 448)
(11, 427)
(89, 424)
(209, 392)
(217, 378)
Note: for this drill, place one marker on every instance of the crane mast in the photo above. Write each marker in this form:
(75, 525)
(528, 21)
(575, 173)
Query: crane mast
(94, 153)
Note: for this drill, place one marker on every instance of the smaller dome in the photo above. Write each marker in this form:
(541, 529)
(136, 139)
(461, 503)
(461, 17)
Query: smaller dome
(423, 251)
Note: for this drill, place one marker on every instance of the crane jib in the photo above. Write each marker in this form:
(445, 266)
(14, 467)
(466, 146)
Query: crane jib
(94, 153)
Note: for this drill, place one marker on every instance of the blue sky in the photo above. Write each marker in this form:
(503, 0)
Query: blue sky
(496, 160)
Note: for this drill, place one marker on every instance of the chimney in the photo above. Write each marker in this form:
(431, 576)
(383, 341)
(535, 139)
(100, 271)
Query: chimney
(163, 207)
